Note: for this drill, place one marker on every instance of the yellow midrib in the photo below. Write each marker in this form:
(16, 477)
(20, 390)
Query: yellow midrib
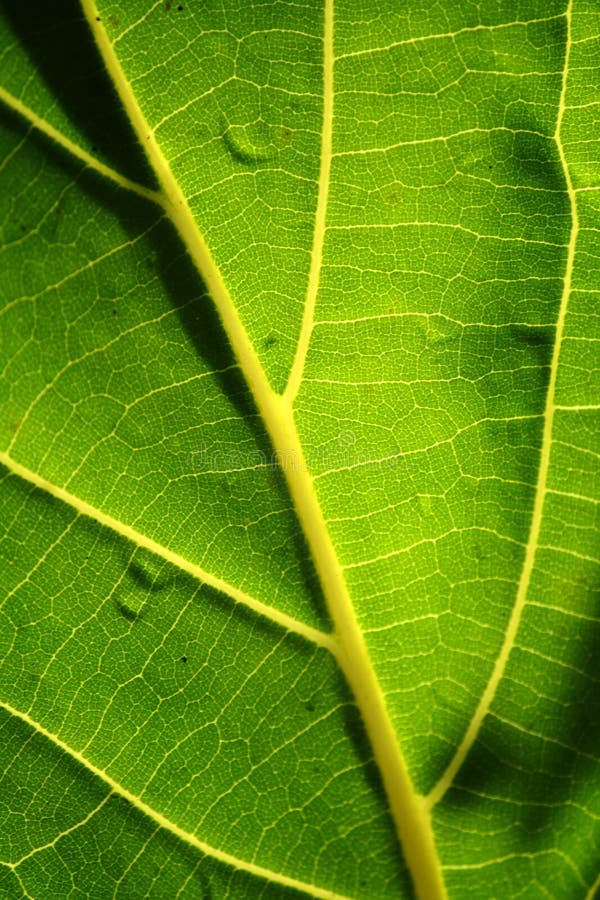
(474, 727)
(408, 810)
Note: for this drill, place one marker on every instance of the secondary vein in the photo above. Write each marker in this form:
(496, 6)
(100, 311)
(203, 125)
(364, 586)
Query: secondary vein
(141, 540)
(316, 260)
(75, 150)
(163, 822)
(491, 688)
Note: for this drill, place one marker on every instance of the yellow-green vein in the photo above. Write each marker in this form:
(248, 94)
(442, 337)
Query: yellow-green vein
(489, 693)
(316, 259)
(593, 891)
(409, 813)
(190, 839)
(75, 150)
(80, 823)
(141, 540)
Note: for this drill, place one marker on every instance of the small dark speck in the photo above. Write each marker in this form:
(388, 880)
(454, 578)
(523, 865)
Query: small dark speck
(94, 149)
(97, 18)
(310, 707)
(184, 659)
(114, 312)
(269, 342)
(180, 9)
(23, 227)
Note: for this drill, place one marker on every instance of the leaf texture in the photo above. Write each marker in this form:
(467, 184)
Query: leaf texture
(299, 450)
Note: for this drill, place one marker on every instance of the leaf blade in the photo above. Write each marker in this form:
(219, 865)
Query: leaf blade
(428, 365)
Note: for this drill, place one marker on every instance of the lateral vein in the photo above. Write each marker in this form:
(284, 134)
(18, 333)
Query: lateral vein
(91, 512)
(411, 818)
(75, 150)
(483, 707)
(316, 259)
(166, 824)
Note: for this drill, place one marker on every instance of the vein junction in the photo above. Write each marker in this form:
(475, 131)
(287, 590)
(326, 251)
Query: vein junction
(410, 816)
(408, 811)
(85, 509)
(75, 150)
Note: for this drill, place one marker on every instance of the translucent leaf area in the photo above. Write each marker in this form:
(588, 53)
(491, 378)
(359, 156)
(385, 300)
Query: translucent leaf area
(299, 445)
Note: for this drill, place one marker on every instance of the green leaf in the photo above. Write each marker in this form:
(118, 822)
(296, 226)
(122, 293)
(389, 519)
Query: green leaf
(299, 449)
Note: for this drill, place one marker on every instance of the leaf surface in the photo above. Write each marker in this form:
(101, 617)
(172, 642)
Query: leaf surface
(299, 450)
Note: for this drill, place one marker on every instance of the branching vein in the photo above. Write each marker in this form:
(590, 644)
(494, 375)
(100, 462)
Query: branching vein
(410, 815)
(190, 839)
(321, 212)
(75, 150)
(489, 693)
(86, 509)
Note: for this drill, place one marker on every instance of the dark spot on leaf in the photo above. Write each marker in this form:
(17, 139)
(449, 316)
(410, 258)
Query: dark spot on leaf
(310, 707)
(97, 18)
(114, 21)
(145, 570)
(114, 312)
(184, 659)
(94, 149)
(126, 611)
(23, 227)
(253, 143)
(269, 342)
(179, 8)
(168, 5)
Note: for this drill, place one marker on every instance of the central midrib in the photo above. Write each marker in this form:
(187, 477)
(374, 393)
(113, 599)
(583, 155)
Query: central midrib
(408, 810)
